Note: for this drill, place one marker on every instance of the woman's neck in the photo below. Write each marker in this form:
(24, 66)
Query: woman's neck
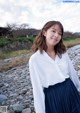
(51, 53)
(50, 50)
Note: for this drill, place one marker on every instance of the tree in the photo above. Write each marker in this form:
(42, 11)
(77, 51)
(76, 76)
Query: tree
(12, 26)
(24, 26)
(15, 26)
(17, 29)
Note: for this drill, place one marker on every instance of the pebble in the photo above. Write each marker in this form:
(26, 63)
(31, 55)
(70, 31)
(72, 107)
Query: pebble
(16, 88)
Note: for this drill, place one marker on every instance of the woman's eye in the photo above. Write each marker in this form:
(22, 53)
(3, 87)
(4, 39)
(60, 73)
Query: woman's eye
(59, 33)
(53, 31)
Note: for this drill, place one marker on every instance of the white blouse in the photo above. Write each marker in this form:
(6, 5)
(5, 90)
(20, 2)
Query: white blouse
(44, 71)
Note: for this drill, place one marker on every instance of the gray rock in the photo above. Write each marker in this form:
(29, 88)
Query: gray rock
(2, 98)
(1, 84)
(27, 110)
(10, 111)
(17, 107)
(79, 73)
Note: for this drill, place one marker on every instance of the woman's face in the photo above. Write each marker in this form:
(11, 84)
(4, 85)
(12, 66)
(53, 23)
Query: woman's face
(53, 35)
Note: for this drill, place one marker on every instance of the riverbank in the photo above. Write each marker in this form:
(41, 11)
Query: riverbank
(15, 84)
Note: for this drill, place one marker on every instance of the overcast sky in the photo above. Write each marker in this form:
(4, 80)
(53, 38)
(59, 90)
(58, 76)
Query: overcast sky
(37, 12)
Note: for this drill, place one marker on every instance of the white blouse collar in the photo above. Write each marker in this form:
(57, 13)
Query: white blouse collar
(47, 57)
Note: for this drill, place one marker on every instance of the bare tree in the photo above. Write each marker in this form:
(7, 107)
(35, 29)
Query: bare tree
(24, 26)
(17, 29)
(13, 26)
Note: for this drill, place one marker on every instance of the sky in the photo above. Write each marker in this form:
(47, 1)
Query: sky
(36, 13)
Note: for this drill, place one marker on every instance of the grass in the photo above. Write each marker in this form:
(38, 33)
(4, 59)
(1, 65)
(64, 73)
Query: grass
(13, 54)
(16, 61)
(71, 42)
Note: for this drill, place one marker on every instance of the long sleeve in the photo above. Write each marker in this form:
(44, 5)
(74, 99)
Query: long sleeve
(73, 74)
(37, 88)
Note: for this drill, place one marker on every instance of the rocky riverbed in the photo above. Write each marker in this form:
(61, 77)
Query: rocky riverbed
(16, 88)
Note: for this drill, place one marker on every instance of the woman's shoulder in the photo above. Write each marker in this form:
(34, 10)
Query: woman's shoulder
(34, 56)
(65, 55)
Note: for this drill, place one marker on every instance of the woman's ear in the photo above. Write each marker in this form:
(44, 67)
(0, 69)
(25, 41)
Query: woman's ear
(44, 33)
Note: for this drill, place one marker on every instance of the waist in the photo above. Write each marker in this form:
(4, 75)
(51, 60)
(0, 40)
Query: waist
(58, 83)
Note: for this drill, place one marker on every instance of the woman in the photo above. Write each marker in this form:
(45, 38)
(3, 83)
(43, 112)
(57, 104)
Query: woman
(55, 84)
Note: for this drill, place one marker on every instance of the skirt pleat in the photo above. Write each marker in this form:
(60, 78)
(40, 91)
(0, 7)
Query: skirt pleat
(62, 98)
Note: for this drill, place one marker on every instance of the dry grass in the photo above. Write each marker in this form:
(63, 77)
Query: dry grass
(16, 61)
(5, 55)
(71, 43)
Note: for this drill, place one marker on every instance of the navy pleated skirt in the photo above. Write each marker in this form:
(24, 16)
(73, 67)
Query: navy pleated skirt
(62, 98)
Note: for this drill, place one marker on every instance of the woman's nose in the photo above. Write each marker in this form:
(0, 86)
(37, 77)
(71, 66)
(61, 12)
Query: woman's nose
(56, 35)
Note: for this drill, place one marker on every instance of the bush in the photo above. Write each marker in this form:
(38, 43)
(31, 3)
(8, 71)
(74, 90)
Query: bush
(21, 39)
(68, 38)
(31, 39)
(5, 41)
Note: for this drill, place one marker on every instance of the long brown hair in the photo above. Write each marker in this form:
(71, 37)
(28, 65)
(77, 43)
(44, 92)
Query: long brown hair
(40, 41)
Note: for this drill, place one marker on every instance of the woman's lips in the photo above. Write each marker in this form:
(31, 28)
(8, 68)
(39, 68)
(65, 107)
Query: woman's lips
(54, 39)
